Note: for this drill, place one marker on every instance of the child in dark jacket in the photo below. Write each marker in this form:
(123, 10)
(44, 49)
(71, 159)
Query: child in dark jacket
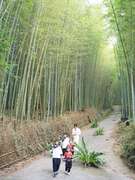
(68, 161)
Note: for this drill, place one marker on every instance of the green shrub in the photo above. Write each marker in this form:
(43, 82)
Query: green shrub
(88, 158)
(48, 146)
(94, 124)
(99, 131)
(127, 141)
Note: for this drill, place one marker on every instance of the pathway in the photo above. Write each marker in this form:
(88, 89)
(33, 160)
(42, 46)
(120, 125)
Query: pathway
(114, 169)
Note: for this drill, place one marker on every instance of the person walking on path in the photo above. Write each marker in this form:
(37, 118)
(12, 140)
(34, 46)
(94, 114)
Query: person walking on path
(68, 161)
(76, 132)
(56, 158)
(65, 142)
(71, 146)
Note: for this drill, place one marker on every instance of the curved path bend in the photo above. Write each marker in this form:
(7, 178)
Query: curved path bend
(114, 169)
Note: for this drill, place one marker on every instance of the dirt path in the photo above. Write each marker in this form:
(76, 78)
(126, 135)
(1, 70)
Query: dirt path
(114, 169)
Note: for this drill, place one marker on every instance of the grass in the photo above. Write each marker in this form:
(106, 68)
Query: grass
(94, 124)
(99, 131)
(87, 157)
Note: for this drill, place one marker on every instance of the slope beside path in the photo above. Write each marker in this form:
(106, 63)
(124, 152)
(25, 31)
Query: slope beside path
(114, 169)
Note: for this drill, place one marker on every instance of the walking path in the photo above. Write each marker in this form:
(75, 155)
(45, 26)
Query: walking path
(114, 169)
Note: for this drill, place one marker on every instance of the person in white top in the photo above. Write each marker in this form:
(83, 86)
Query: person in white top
(76, 132)
(56, 158)
(65, 142)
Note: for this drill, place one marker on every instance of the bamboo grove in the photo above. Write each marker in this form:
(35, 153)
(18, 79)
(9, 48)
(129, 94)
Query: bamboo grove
(122, 18)
(51, 58)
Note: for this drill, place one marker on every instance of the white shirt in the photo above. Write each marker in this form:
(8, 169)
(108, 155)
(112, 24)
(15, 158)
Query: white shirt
(65, 142)
(76, 132)
(57, 152)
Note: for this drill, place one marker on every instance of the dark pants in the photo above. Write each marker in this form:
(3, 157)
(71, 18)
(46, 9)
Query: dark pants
(68, 165)
(56, 164)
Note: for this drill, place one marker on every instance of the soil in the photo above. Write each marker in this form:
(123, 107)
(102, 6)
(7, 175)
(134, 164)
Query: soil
(40, 168)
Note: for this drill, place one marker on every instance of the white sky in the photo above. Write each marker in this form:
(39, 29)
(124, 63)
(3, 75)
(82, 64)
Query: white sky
(94, 2)
(97, 2)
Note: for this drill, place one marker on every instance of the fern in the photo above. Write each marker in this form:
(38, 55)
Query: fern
(86, 157)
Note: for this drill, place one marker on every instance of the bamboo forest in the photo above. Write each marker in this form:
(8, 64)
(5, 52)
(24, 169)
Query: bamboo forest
(66, 67)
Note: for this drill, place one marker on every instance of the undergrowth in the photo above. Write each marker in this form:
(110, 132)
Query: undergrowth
(31, 138)
(99, 131)
(127, 142)
(87, 157)
(94, 124)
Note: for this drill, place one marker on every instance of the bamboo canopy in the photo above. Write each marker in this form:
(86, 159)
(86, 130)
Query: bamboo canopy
(54, 57)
